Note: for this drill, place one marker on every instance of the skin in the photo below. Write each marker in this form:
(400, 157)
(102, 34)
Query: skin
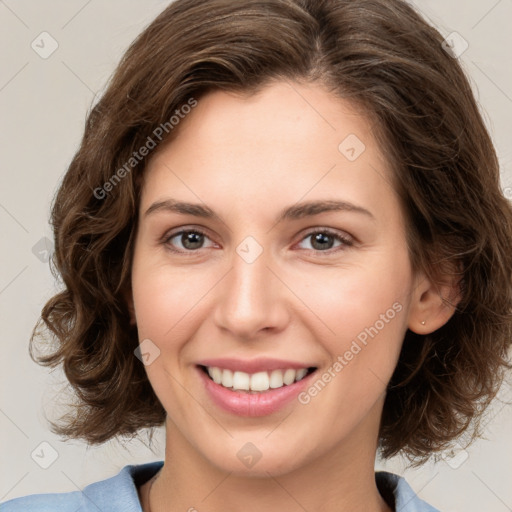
(247, 158)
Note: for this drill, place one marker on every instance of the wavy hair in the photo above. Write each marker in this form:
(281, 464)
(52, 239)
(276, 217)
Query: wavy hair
(379, 54)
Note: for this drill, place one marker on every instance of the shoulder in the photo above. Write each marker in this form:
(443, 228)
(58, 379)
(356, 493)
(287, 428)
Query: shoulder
(396, 491)
(117, 493)
(57, 502)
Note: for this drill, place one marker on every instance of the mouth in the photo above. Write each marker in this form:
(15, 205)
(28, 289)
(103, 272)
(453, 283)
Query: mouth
(258, 382)
(254, 387)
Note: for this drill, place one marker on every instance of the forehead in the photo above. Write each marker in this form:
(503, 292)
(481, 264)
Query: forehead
(283, 143)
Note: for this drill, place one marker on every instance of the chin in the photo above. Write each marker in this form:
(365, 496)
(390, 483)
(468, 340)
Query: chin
(243, 457)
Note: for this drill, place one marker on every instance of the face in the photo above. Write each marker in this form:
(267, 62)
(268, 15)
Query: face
(271, 243)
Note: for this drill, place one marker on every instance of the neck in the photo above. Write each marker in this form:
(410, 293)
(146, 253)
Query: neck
(343, 480)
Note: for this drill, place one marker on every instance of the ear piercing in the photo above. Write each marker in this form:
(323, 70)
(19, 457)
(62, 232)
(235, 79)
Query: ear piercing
(423, 322)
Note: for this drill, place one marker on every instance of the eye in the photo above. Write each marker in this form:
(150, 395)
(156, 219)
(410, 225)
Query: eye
(190, 240)
(322, 240)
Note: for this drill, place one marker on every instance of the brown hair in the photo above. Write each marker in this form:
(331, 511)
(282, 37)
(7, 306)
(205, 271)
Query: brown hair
(378, 53)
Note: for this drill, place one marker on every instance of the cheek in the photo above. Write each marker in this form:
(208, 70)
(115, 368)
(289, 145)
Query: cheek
(166, 298)
(348, 300)
(361, 313)
(167, 302)
(367, 312)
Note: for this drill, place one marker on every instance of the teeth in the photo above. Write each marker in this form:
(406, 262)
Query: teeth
(227, 378)
(276, 379)
(216, 375)
(241, 380)
(260, 381)
(301, 373)
(289, 376)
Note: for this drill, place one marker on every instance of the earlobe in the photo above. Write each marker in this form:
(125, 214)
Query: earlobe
(432, 304)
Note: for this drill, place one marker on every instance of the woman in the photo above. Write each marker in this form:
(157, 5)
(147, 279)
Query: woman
(282, 236)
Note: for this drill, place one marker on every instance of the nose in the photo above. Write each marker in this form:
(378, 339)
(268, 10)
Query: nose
(252, 300)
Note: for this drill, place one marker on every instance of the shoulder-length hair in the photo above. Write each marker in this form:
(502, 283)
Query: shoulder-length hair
(378, 54)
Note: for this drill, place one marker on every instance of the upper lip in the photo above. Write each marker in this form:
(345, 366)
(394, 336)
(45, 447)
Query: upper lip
(253, 365)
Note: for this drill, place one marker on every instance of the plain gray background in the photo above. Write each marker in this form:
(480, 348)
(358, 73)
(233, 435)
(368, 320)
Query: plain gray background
(43, 103)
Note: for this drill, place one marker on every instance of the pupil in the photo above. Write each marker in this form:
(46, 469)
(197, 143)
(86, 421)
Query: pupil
(324, 240)
(192, 240)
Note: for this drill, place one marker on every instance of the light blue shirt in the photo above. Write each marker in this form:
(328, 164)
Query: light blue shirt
(119, 494)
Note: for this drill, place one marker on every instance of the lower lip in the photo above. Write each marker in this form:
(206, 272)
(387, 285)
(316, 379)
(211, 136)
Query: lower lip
(252, 404)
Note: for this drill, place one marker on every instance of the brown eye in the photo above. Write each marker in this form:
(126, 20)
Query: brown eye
(186, 240)
(322, 241)
(192, 240)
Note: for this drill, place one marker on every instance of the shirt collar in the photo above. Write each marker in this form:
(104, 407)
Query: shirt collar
(120, 491)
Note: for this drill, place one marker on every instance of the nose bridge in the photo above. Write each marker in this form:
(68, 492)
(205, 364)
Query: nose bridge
(252, 299)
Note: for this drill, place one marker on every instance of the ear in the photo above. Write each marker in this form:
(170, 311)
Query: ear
(433, 303)
(128, 299)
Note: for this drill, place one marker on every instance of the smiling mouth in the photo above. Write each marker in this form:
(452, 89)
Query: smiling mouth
(253, 383)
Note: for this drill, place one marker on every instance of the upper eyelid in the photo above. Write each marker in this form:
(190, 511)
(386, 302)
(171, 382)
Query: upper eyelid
(179, 231)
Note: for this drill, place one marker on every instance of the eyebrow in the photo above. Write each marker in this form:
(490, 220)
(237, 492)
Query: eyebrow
(296, 211)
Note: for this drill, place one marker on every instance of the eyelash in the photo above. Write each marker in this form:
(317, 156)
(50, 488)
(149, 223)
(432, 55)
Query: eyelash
(345, 241)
